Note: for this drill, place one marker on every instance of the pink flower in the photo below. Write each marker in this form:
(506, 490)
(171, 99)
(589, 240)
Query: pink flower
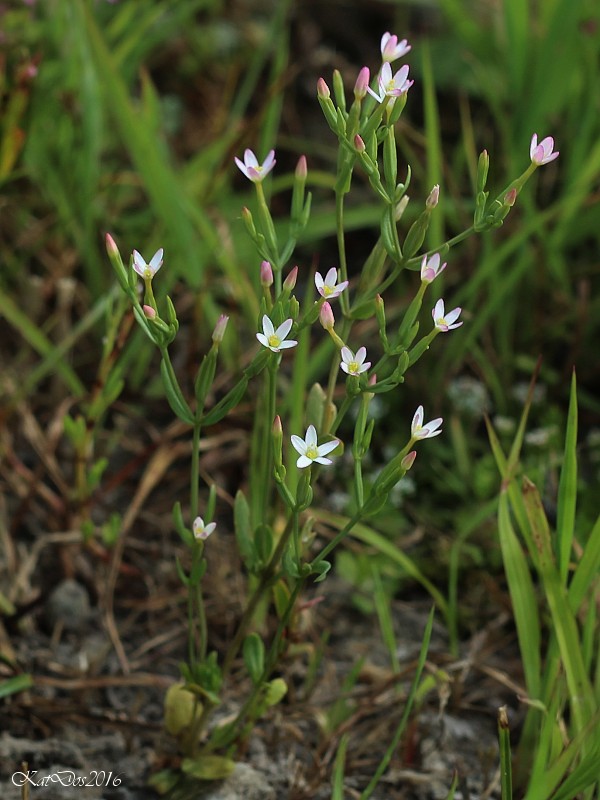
(431, 268)
(328, 288)
(310, 451)
(275, 339)
(391, 86)
(391, 48)
(147, 271)
(445, 322)
(354, 364)
(542, 153)
(252, 169)
(427, 431)
(202, 531)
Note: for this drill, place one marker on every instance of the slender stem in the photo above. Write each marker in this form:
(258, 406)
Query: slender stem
(339, 536)
(339, 221)
(195, 471)
(271, 660)
(265, 580)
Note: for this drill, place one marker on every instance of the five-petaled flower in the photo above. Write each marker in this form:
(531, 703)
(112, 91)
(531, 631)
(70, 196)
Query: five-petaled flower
(275, 339)
(391, 48)
(427, 431)
(309, 449)
(147, 271)
(328, 288)
(391, 86)
(542, 153)
(354, 363)
(202, 531)
(252, 169)
(445, 322)
(431, 268)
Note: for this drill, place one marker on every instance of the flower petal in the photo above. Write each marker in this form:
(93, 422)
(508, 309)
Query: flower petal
(285, 327)
(268, 328)
(303, 461)
(327, 447)
(311, 436)
(298, 444)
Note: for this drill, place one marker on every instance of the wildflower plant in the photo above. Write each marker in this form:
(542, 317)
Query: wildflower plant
(296, 437)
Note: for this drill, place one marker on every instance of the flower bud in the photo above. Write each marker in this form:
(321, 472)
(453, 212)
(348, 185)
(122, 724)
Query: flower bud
(266, 274)
(277, 433)
(323, 89)
(111, 247)
(482, 170)
(510, 198)
(433, 198)
(360, 88)
(220, 327)
(149, 312)
(408, 460)
(301, 169)
(326, 317)
(290, 282)
(359, 144)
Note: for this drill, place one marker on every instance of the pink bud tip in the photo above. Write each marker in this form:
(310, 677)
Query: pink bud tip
(510, 197)
(111, 246)
(220, 328)
(408, 460)
(149, 312)
(359, 143)
(326, 316)
(379, 300)
(301, 168)
(291, 279)
(372, 379)
(323, 89)
(277, 428)
(266, 274)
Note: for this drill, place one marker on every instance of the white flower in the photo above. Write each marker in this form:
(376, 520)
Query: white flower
(445, 322)
(202, 531)
(328, 288)
(431, 268)
(427, 431)
(147, 271)
(392, 49)
(354, 364)
(310, 451)
(391, 86)
(542, 153)
(275, 339)
(252, 169)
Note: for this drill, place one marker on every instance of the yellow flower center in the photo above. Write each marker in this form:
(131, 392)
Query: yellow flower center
(274, 341)
(312, 452)
(353, 367)
(327, 290)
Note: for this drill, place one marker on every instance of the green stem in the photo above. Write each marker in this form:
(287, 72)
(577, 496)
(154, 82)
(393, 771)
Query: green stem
(195, 471)
(339, 222)
(265, 581)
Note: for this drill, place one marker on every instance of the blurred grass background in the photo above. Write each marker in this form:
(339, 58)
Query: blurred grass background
(125, 117)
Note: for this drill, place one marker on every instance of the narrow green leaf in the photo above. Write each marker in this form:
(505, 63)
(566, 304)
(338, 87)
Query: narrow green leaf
(523, 598)
(567, 489)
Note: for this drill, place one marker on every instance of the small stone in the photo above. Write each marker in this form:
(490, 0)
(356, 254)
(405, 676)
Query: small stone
(69, 604)
(244, 782)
